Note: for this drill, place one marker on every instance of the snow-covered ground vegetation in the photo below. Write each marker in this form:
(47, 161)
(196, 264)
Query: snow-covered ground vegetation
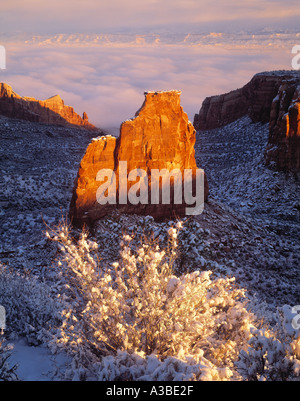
(137, 299)
(29, 304)
(7, 368)
(135, 319)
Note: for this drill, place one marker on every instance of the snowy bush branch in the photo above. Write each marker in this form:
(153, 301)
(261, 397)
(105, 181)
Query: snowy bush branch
(137, 306)
(7, 370)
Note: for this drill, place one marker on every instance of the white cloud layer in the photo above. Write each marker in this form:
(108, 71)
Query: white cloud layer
(108, 82)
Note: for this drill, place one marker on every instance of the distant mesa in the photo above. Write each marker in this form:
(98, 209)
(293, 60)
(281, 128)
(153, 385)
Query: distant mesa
(272, 97)
(159, 137)
(51, 111)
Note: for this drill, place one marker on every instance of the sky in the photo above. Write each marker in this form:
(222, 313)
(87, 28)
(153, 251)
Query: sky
(108, 81)
(90, 16)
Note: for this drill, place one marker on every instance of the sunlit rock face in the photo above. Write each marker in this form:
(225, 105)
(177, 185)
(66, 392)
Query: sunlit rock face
(283, 149)
(269, 97)
(50, 111)
(160, 134)
(159, 137)
(99, 155)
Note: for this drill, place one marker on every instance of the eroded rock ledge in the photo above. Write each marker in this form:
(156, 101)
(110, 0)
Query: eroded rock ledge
(51, 111)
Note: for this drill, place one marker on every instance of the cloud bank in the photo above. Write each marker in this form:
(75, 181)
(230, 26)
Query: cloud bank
(109, 82)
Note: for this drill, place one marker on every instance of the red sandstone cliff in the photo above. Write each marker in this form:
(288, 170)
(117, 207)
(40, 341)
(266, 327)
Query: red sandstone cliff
(159, 137)
(255, 99)
(269, 97)
(283, 149)
(50, 111)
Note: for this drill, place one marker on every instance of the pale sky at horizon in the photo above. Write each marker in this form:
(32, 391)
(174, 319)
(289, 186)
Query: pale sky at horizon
(93, 16)
(108, 81)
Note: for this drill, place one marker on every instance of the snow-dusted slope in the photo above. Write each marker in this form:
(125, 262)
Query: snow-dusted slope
(249, 229)
(252, 219)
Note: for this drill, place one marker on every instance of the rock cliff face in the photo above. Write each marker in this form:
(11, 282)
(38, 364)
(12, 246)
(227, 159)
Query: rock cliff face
(283, 149)
(217, 111)
(255, 99)
(159, 137)
(50, 111)
(269, 97)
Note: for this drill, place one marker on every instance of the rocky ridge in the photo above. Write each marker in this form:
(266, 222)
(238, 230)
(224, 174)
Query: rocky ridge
(51, 111)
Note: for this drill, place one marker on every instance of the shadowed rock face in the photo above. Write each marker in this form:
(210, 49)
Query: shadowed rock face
(255, 99)
(159, 137)
(51, 111)
(283, 148)
(269, 97)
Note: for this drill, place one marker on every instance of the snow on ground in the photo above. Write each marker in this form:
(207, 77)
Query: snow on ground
(267, 252)
(249, 229)
(36, 363)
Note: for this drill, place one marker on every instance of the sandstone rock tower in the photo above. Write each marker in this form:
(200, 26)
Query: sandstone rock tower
(159, 137)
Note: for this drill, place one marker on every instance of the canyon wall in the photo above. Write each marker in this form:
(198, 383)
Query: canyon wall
(269, 97)
(283, 149)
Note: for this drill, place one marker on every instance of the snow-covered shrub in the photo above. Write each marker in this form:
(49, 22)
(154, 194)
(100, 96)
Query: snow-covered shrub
(273, 355)
(137, 306)
(269, 359)
(7, 370)
(137, 366)
(29, 304)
